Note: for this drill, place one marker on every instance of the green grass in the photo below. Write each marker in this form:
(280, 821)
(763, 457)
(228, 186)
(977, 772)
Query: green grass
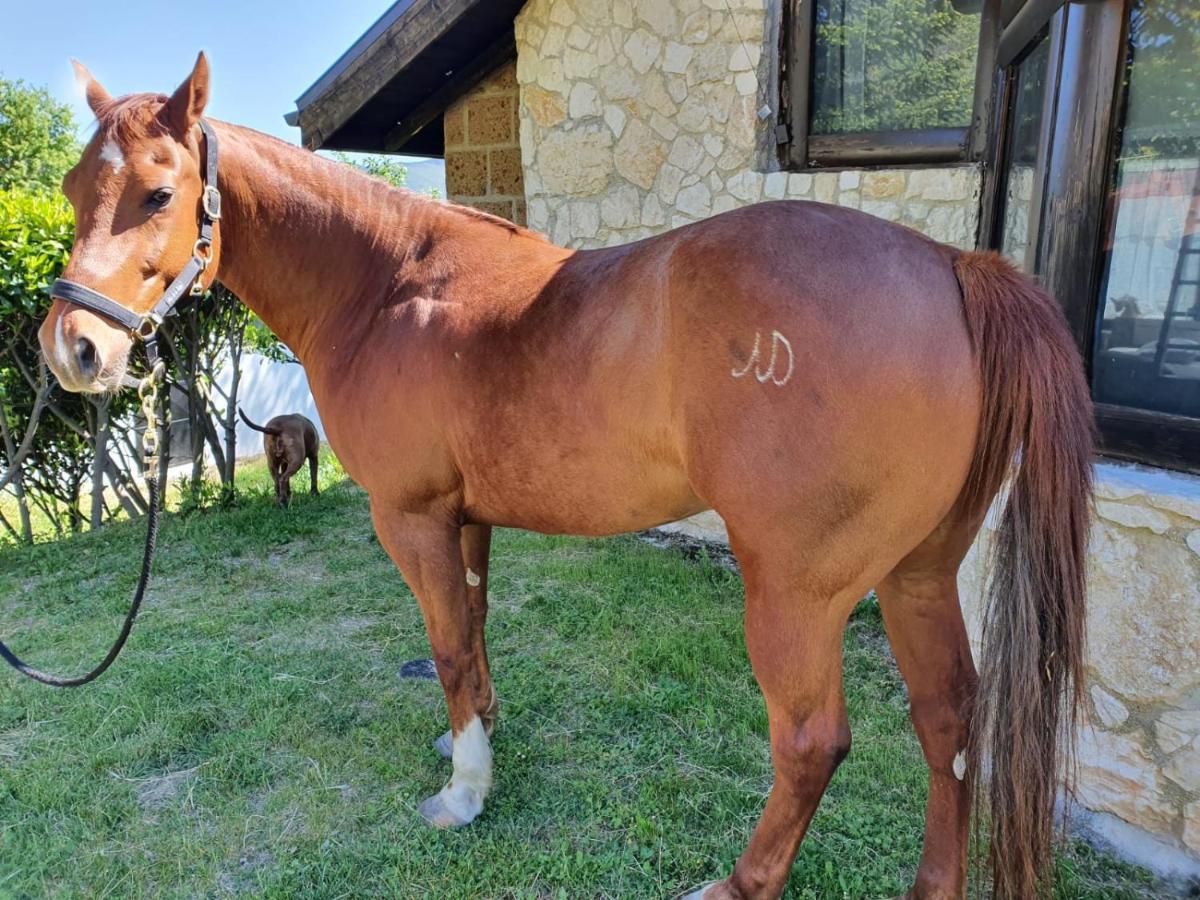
(254, 738)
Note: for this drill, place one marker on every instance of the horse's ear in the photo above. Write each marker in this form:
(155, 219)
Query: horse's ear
(186, 105)
(93, 90)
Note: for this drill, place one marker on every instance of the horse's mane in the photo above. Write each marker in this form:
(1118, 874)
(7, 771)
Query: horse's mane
(472, 213)
(136, 117)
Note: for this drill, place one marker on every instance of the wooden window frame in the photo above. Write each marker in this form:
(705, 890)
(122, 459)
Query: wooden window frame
(1081, 139)
(799, 149)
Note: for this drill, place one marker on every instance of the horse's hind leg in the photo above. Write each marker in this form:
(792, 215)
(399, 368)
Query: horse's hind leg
(794, 638)
(919, 601)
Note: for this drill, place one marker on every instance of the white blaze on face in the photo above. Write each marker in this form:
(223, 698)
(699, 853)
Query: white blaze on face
(472, 778)
(111, 154)
(60, 345)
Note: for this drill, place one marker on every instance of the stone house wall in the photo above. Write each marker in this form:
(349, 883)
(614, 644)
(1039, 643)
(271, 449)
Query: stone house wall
(483, 155)
(636, 117)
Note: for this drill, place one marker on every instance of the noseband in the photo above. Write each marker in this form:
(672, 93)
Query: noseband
(145, 325)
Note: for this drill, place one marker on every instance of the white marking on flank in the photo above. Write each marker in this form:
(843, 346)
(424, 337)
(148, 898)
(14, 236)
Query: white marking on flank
(111, 154)
(472, 578)
(472, 778)
(960, 765)
(769, 373)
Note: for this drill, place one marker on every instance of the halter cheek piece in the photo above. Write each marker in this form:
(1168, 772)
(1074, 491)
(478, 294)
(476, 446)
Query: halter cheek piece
(145, 325)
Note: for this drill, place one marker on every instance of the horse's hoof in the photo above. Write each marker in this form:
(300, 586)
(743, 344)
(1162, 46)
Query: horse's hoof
(444, 745)
(451, 807)
(698, 893)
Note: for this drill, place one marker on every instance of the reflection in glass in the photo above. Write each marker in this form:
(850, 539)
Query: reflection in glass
(1147, 349)
(1028, 109)
(887, 65)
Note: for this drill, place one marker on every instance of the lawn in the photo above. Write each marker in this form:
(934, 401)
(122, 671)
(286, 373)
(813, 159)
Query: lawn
(255, 737)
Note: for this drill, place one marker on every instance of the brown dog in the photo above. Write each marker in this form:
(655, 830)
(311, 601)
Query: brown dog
(288, 441)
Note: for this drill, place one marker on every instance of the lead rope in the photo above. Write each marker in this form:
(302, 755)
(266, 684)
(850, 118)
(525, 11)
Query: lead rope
(148, 395)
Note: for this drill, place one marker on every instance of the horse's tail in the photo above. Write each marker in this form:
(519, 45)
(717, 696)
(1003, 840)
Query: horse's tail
(264, 429)
(1036, 423)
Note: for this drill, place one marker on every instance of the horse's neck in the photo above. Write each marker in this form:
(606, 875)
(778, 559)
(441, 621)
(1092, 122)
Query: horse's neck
(302, 238)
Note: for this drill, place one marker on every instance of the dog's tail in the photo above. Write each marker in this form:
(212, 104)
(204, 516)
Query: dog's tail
(267, 429)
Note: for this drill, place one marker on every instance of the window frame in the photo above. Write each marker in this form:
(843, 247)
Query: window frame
(1087, 93)
(800, 149)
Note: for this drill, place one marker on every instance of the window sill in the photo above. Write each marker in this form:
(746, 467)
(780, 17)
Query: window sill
(886, 148)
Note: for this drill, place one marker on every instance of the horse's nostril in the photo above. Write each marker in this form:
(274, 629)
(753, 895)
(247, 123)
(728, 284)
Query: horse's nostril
(85, 353)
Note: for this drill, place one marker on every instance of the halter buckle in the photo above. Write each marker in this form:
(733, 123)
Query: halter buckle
(150, 323)
(210, 200)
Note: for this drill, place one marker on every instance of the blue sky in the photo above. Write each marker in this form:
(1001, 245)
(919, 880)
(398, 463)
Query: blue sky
(263, 53)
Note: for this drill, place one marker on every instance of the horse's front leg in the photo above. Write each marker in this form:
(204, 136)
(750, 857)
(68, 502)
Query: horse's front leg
(428, 551)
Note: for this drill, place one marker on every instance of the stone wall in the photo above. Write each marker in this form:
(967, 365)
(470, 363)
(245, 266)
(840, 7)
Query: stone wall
(483, 155)
(637, 117)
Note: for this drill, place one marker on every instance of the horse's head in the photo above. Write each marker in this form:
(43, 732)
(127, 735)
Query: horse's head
(136, 192)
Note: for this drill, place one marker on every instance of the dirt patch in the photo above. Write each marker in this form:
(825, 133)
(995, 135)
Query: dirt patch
(690, 547)
(242, 880)
(157, 791)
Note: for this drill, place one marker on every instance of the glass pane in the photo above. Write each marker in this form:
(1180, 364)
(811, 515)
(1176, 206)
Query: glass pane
(1026, 126)
(889, 65)
(1147, 350)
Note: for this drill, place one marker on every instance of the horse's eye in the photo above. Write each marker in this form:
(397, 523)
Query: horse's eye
(160, 198)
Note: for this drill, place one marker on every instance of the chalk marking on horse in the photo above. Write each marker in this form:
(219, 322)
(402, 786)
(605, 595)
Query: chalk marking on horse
(755, 361)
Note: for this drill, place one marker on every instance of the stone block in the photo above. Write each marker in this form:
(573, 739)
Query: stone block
(676, 58)
(1117, 775)
(775, 185)
(882, 185)
(1132, 516)
(695, 201)
(1183, 767)
(621, 208)
(490, 120)
(1191, 827)
(639, 154)
(584, 101)
(547, 108)
(454, 127)
(1109, 710)
(505, 173)
(579, 161)
(501, 208)
(466, 173)
(503, 79)
(643, 49)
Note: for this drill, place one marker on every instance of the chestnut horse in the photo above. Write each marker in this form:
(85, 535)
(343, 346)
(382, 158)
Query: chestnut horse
(848, 394)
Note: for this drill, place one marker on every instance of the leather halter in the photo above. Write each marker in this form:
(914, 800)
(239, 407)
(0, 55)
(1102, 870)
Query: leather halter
(145, 325)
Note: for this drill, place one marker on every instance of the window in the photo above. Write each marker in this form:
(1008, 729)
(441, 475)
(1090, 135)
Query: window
(1025, 144)
(875, 81)
(1146, 353)
(1097, 143)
